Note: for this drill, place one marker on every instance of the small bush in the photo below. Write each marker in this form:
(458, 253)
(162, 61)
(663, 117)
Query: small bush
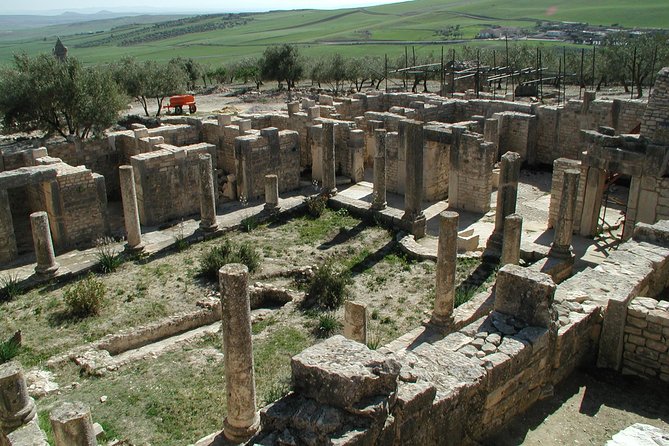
(328, 288)
(228, 252)
(316, 205)
(9, 349)
(9, 287)
(374, 342)
(108, 259)
(463, 295)
(85, 298)
(327, 325)
(249, 223)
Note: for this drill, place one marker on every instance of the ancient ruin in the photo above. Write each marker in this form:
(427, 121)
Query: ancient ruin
(448, 175)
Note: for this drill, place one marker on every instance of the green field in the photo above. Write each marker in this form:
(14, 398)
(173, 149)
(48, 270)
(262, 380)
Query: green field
(353, 32)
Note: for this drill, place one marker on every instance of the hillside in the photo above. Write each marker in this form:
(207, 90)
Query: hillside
(361, 31)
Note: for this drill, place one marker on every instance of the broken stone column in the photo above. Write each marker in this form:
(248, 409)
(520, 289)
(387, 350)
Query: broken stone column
(357, 147)
(314, 113)
(207, 195)
(242, 420)
(411, 136)
(293, 107)
(16, 406)
(244, 126)
(513, 230)
(72, 425)
(271, 193)
(355, 321)
(447, 259)
(224, 120)
(507, 195)
(329, 164)
(130, 210)
(564, 225)
(379, 201)
(46, 258)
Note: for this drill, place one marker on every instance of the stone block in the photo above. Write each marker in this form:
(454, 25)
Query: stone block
(341, 373)
(527, 295)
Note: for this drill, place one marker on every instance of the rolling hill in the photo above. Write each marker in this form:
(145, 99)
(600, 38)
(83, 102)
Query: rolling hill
(356, 32)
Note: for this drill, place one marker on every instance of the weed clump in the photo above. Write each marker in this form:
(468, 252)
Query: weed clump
(228, 252)
(10, 348)
(108, 259)
(85, 298)
(328, 288)
(327, 325)
(9, 287)
(316, 205)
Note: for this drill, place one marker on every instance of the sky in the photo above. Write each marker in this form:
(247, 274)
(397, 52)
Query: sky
(48, 7)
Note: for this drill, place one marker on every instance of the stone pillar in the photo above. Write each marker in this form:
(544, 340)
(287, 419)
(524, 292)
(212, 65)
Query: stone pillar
(329, 164)
(130, 210)
(16, 406)
(564, 226)
(314, 113)
(46, 258)
(447, 259)
(243, 420)
(513, 230)
(411, 136)
(271, 193)
(244, 126)
(355, 321)
(224, 120)
(293, 108)
(592, 201)
(207, 195)
(357, 147)
(72, 425)
(379, 200)
(507, 194)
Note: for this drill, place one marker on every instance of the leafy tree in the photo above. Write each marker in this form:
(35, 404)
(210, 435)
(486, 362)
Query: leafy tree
(219, 74)
(248, 69)
(282, 63)
(147, 80)
(62, 97)
(192, 69)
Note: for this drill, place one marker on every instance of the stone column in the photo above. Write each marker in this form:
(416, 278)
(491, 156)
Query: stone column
(379, 201)
(244, 126)
(8, 249)
(513, 230)
(207, 195)
(243, 419)
(314, 113)
(329, 164)
(564, 225)
(271, 193)
(447, 259)
(411, 136)
(357, 147)
(130, 210)
(46, 258)
(592, 201)
(355, 321)
(72, 425)
(507, 194)
(16, 406)
(224, 120)
(293, 107)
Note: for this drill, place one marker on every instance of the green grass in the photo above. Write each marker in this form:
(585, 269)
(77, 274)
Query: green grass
(372, 31)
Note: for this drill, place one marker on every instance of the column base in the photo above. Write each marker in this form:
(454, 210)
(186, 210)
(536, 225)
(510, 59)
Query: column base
(206, 227)
(379, 206)
(329, 193)
(493, 248)
(561, 252)
(49, 271)
(240, 434)
(414, 224)
(439, 323)
(271, 208)
(137, 249)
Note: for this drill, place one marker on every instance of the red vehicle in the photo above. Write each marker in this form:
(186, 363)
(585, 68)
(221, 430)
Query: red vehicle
(180, 101)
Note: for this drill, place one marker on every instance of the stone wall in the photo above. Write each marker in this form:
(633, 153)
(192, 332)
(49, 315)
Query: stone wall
(647, 339)
(274, 152)
(167, 182)
(470, 177)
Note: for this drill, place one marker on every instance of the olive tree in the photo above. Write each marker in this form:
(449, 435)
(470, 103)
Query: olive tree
(282, 63)
(58, 96)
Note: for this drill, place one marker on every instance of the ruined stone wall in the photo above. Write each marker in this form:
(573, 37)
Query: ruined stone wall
(395, 164)
(517, 132)
(470, 177)
(436, 163)
(654, 125)
(259, 156)
(76, 202)
(647, 339)
(167, 182)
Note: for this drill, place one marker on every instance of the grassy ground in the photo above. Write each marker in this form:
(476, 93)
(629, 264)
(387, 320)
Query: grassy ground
(318, 31)
(180, 396)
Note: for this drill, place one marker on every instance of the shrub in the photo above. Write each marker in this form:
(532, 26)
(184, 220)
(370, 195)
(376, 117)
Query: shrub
(327, 325)
(85, 298)
(316, 205)
(228, 252)
(464, 294)
(108, 259)
(9, 287)
(249, 223)
(9, 349)
(328, 288)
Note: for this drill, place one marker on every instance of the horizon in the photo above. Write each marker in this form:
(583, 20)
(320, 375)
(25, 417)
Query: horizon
(45, 7)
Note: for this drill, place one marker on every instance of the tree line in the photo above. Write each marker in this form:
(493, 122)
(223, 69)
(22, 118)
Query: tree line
(68, 98)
